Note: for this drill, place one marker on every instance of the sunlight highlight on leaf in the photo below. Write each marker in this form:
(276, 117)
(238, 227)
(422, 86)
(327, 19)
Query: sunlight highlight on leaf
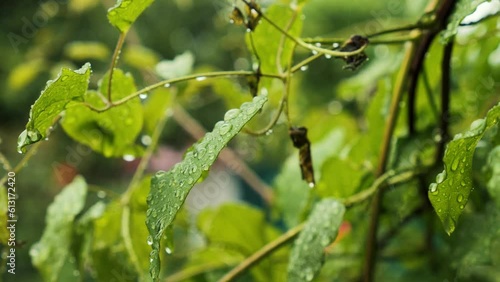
(170, 189)
(450, 193)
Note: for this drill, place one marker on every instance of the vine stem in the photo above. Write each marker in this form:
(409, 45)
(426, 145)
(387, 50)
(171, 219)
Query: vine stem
(114, 60)
(389, 178)
(171, 81)
(371, 245)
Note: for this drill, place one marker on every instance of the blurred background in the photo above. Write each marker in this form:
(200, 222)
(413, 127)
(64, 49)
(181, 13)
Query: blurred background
(38, 38)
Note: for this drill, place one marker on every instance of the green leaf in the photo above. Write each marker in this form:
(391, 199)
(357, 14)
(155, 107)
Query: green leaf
(223, 230)
(170, 189)
(181, 65)
(140, 57)
(114, 131)
(450, 193)
(52, 251)
(80, 50)
(68, 86)
(462, 9)
(321, 229)
(267, 39)
(125, 12)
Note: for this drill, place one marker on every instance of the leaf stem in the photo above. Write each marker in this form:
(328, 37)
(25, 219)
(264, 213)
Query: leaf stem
(114, 60)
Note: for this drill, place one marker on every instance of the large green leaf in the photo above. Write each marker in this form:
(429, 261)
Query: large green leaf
(170, 189)
(462, 9)
(450, 193)
(223, 230)
(52, 251)
(125, 12)
(114, 131)
(321, 229)
(68, 86)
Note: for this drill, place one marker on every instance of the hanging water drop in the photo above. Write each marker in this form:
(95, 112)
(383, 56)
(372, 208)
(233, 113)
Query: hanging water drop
(441, 177)
(311, 185)
(168, 251)
(328, 56)
(433, 188)
(201, 78)
(224, 128)
(269, 132)
(150, 240)
(143, 96)
(166, 85)
(304, 68)
(101, 194)
(146, 140)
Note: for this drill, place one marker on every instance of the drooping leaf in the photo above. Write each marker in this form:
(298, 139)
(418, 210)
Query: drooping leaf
(125, 12)
(463, 8)
(321, 229)
(450, 193)
(300, 141)
(68, 86)
(223, 230)
(169, 189)
(112, 132)
(53, 250)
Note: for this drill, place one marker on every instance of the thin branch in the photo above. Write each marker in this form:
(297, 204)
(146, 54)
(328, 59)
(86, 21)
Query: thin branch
(444, 119)
(371, 242)
(114, 60)
(227, 156)
(168, 82)
(262, 253)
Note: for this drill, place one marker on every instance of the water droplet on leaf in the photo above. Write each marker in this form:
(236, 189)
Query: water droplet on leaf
(231, 114)
(225, 128)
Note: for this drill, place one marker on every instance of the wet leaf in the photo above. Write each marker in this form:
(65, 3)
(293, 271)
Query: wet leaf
(169, 189)
(463, 8)
(300, 141)
(67, 87)
(53, 250)
(450, 193)
(114, 131)
(308, 250)
(125, 12)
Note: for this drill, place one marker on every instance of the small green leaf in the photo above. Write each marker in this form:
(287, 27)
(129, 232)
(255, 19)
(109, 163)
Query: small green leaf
(68, 86)
(114, 131)
(450, 193)
(179, 66)
(321, 229)
(170, 189)
(125, 12)
(463, 8)
(52, 251)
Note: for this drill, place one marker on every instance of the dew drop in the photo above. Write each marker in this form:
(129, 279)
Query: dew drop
(150, 240)
(201, 78)
(160, 173)
(461, 207)
(441, 177)
(314, 52)
(328, 56)
(269, 132)
(166, 85)
(454, 164)
(64, 78)
(304, 68)
(190, 180)
(335, 45)
(143, 96)
(460, 198)
(168, 250)
(101, 194)
(478, 124)
(231, 114)
(225, 128)
(433, 188)
(146, 140)
(311, 184)
(249, 108)
(128, 158)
